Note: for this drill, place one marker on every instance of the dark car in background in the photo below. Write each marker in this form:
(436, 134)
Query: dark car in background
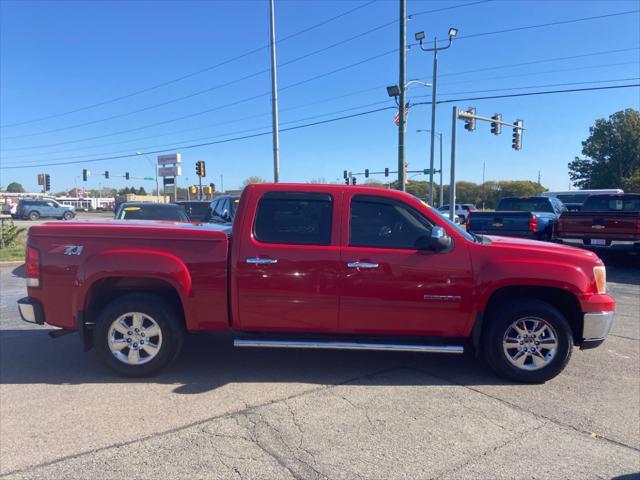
(603, 221)
(196, 210)
(222, 209)
(33, 209)
(151, 211)
(528, 217)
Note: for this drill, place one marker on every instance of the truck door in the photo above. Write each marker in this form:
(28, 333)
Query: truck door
(389, 286)
(288, 266)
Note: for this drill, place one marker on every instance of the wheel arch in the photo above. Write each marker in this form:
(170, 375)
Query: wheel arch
(566, 302)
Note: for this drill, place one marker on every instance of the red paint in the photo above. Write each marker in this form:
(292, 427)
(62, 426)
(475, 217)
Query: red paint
(310, 289)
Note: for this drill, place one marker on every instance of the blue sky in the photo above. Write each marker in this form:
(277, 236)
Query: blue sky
(61, 56)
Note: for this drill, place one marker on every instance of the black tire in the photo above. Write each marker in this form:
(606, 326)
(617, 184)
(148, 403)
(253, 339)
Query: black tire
(167, 317)
(68, 216)
(33, 216)
(500, 322)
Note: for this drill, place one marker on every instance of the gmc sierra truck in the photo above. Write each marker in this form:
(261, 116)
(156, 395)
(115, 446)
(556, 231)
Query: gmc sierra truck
(317, 266)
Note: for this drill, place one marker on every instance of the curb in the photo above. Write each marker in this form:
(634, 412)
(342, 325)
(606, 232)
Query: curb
(9, 263)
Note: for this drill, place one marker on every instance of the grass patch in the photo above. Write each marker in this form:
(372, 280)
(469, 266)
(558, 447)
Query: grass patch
(14, 252)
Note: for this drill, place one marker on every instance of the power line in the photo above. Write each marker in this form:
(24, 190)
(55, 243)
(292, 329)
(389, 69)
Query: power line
(209, 110)
(417, 14)
(330, 120)
(231, 82)
(534, 62)
(197, 72)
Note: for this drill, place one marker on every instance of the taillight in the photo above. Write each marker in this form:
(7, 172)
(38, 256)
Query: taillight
(32, 267)
(468, 222)
(638, 225)
(533, 224)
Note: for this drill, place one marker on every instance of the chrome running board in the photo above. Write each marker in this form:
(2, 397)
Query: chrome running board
(348, 346)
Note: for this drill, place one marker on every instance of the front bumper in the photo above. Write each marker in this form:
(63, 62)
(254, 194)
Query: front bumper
(31, 310)
(596, 328)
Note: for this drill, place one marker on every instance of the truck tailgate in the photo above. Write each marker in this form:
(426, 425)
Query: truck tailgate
(604, 225)
(499, 223)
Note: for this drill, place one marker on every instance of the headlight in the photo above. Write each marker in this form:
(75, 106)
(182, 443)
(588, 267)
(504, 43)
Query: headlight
(600, 275)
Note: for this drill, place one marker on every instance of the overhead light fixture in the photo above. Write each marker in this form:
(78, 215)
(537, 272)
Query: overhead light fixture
(393, 91)
(453, 32)
(420, 36)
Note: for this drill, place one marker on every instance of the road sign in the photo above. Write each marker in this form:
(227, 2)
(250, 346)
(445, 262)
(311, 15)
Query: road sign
(169, 159)
(168, 189)
(170, 171)
(149, 178)
(169, 181)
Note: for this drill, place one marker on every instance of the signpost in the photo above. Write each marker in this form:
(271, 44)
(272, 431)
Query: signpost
(169, 169)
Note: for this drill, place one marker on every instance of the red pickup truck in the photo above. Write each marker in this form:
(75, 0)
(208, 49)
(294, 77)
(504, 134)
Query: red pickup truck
(317, 266)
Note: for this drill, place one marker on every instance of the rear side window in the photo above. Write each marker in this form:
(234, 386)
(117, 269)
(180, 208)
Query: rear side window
(385, 223)
(612, 204)
(294, 218)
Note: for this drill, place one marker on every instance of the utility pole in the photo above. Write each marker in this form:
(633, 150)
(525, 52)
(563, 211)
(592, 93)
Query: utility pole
(441, 188)
(420, 37)
(221, 183)
(274, 94)
(402, 101)
(483, 193)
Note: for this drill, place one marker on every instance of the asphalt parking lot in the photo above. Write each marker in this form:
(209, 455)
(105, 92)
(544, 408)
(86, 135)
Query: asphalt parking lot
(225, 413)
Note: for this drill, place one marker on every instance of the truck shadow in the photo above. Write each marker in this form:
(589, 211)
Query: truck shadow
(210, 361)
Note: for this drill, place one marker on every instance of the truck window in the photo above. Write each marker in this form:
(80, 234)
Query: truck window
(534, 204)
(385, 223)
(602, 203)
(294, 218)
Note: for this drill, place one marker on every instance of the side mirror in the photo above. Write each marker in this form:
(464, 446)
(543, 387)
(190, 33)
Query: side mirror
(439, 239)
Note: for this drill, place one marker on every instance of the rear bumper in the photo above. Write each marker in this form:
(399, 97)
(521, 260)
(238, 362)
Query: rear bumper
(609, 243)
(596, 327)
(31, 310)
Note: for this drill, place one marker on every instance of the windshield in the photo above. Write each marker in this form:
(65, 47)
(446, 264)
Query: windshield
(153, 212)
(524, 205)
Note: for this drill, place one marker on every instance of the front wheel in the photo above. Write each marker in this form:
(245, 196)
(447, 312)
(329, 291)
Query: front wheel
(138, 334)
(33, 216)
(527, 340)
(67, 216)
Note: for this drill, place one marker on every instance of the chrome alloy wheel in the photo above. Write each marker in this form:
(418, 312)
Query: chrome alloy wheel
(530, 343)
(134, 338)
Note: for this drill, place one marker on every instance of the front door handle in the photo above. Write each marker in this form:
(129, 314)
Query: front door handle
(261, 261)
(362, 265)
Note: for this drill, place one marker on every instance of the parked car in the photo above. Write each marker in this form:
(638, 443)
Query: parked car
(197, 211)
(462, 210)
(33, 209)
(151, 211)
(223, 209)
(529, 217)
(317, 266)
(603, 221)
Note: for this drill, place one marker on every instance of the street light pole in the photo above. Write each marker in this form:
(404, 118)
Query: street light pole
(420, 37)
(440, 138)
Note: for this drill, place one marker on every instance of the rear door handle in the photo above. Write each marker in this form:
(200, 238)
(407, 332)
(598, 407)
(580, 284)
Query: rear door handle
(362, 265)
(261, 261)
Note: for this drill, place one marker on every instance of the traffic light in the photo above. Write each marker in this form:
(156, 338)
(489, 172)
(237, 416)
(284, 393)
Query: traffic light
(386, 172)
(353, 180)
(470, 123)
(366, 173)
(213, 187)
(200, 169)
(85, 174)
(47, 182)
(346, 175)
(193, 189)
(516, 143)
(41, 179)
(207, 190)
(127, 176)
(346, 181)
(496, 128)
(106, 175)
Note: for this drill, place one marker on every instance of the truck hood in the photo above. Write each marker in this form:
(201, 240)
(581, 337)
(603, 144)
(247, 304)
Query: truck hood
(539, 248)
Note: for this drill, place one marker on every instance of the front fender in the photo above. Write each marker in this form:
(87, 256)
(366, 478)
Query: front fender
(158, 265)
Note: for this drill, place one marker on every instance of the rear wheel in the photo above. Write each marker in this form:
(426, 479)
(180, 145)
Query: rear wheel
(34, 215)
(68, 215)
(528, 340)
(138, 334)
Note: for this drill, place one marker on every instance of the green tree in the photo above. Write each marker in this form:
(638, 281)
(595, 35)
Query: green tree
(141, 191)
(612, 153)
(253, 179)
(15, 187)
